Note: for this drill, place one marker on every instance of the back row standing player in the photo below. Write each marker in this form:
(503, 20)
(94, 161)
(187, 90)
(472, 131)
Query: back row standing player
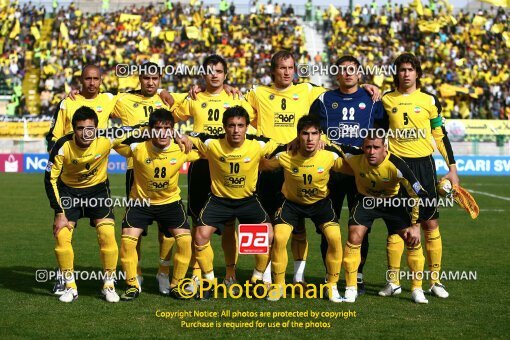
(411, 108)
(344, 113)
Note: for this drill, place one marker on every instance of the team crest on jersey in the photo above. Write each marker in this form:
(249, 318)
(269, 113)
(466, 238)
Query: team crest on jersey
(271, 96)
(87, 166)
(222, 159)
(394, 110)
(74, 161)
(247, 159)
(362, 106)
(417, 109)
(295, 170)
(99, 109)
(361, 174)
(204, 105)
(135, 105)
(96, 157)
(320, 170)
(158, 105)
(173, 161)
(334, 106)
(148, 161)
(295, 96)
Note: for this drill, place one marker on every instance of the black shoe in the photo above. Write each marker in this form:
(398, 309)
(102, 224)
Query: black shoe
(130, 294)
(176, 293)
(361, 287)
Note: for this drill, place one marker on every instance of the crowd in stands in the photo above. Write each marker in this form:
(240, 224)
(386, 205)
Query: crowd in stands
(467, 52)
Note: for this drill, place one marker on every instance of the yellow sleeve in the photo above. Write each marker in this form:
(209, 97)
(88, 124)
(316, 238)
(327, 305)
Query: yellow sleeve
(192, 156)
(123, 150)
(51, 176)
(117, 108)
(197, 142)
(315, 92)
(178, 99)
(183, 111)
(251, 112)
(59, 127)
(414, 196)
(439, 132)
(251, 98)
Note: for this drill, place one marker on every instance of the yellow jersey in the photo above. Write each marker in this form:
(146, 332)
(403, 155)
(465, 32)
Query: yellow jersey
(234, 171)
(277, 111)
(76, 167)
(413, 120)
(207, 111)
(156, 171)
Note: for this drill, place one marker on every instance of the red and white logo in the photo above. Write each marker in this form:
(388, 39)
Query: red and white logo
(253, 239)
(11, 163)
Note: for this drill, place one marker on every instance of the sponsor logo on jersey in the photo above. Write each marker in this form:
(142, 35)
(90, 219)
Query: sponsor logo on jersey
(157, 185)
(362, 106)
(233, 181)
(284, 119)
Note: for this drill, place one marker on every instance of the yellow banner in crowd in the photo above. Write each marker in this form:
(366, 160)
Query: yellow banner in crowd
(130, 17)
(478, 127)
(501, 3)
(16, 130)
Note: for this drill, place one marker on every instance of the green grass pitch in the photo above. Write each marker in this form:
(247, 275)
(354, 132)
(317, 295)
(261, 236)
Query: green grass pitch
(475, 309)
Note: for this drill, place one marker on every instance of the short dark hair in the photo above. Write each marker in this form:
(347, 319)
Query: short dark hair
(214, 59)
(161, 115)
(84, 113)
(347, 58)
(373, 134)
(149, 68)
(275, 59)
(235, 111)
(408, 58)
(307, 121)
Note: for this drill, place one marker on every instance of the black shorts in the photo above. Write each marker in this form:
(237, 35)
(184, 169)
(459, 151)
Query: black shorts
(217, 211)
(395, 218)
(199, 187)
(94, 208)
(424, 169)
(269, 190)
(341, 185)
(169, 216)
(320, 212)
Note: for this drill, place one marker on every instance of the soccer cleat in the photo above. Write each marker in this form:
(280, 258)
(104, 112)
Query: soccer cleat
(351, 293)
(439, 290)
(192, 287)
(229, 282)
(130, 294)
(175, 293)
(275, 294)
(164, 283)
(139, 278)
(60, 285)
(390, 289)
(361, 286)
(110, 294)
(333, 294)
(70, 294)
(418, 296)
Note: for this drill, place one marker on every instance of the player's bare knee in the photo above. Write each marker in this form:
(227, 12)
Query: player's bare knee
(429, 225)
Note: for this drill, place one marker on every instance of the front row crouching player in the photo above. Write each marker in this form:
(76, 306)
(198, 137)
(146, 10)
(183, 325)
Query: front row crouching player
(156, 165)
(77, 170)
(305, 188)
(379, 174)
(233, 164)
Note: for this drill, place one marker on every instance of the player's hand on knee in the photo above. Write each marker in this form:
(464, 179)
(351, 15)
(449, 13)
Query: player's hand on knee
(59, 223)
(412, 235)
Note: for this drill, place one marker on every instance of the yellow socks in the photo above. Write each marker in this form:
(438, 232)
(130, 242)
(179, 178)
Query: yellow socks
(65, 256)
(394, 250)
(352, 259)
(181, 258)
(165, 252)
(434, 253)
(334, 254)
(205, 258)
(129, 258)
(108, 249)
(416, 262)
(279, 258)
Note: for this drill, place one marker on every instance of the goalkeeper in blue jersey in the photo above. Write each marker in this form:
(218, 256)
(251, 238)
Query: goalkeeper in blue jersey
(345, 114)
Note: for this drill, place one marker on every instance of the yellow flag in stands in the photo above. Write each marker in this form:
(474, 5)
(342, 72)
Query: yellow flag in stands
(64, 32)
(501, 3)
(192, 32)
(35, 32)
(15, 30)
